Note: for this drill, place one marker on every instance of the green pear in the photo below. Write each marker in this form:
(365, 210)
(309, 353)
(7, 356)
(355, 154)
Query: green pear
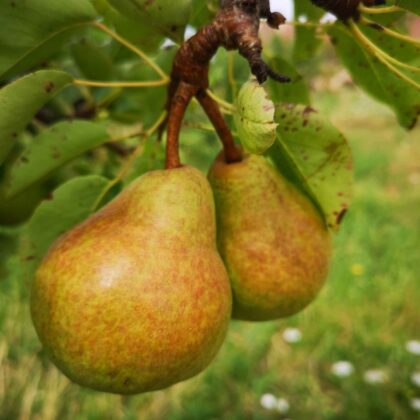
(275, 245)
(137, 298)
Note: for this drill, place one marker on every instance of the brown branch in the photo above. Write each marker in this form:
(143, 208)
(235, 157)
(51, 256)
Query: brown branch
(235, 27)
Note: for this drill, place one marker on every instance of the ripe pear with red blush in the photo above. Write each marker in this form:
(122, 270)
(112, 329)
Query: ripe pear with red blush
(274, 243)
(136, 298)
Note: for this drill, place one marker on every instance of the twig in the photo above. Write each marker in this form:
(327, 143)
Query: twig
(231, 74)
(390, 32)
(122, 173)
(379, 10)
(198, 126)
(383, 57)
(152, 83)
(224, 104)
(133, 48)
(120, 149)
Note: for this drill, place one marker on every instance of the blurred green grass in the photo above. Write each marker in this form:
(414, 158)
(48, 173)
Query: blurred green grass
(366, 313)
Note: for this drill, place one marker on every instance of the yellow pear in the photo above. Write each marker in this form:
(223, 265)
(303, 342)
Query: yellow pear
(136, 298)
(274, 243)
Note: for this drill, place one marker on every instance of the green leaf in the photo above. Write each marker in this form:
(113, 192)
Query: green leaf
(203, 12)
(52, 149)
(20, 100)
(146, 37)
(92, 60)
(167, 17)
(144, 104)
(19, 208)
(254, 118)
(31, 30)
(306, 42)
(70, 204)
(296, 91)
(410, 5)
(374, 77)
(313, 154)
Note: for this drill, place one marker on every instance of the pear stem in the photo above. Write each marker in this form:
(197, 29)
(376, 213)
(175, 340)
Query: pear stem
(232, 152)
(184, 92)
(177, 107)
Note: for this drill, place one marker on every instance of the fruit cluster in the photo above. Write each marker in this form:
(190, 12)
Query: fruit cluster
(139, 296)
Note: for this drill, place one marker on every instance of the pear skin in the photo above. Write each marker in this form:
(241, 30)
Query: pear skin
(275, 245)
(136, 298)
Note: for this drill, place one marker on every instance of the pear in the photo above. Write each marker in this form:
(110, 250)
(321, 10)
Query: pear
(136, 298)
(275, 245)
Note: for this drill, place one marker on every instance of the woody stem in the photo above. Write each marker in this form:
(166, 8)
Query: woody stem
(177, 108)
(232, 152)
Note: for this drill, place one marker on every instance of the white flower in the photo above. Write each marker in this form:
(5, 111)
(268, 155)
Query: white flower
(268, 401)
(342, 369)
(282, 406)
(375, 376)
(292, 335)
(415, 404)
(415, 378)
(413, 347)
(302, 18)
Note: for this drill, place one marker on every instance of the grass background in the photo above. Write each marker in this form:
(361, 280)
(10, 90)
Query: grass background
(366, 313)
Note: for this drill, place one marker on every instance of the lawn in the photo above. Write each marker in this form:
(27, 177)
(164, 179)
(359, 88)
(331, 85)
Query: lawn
(366, 317)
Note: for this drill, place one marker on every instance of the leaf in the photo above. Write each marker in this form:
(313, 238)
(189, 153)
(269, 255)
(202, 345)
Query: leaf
(306, 41)
(146, 103)
(375, 78)
(70, 204)
(144, 36)
(203, 12)
(52, 149)
(93, 62)
(313, 154)
(31, 30)
(254, 118)
(20, 100)
(410, 5)
(167, 17)
(296, 91)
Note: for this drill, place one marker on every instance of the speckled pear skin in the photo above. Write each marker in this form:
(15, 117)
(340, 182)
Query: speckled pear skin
(273, 242)
(137, 298)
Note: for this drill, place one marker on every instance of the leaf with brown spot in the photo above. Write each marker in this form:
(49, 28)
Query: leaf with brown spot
(50, 150)
(375, 78)
(315, 156)
(33, 30)
(20, 100)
